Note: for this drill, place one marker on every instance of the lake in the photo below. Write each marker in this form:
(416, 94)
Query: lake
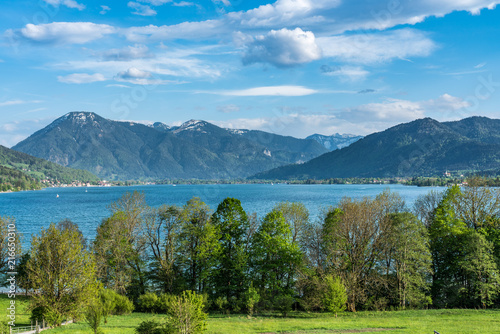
(88, 206)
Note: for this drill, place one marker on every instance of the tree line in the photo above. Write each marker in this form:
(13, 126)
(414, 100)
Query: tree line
(361, 254)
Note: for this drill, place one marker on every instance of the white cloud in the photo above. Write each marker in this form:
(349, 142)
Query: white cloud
(67, 3)
(350, 73)
(81, 78)
(183, 4)
(228, 108)
(283, 48)
(283, 12)
(17, 102)
(104, 10)
(380, 47)
(63, 32)
(155, 2)
(481, 65)
(269, 91)
(185, 30)
(127, 53)
(397, 110)
(142, 10)
(139, 77)
(176, 63)
(118, 85)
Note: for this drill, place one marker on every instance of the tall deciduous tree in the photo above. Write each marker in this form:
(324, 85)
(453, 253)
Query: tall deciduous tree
(120, 245)
(276, 257)
(411, 259)
(199, 247)
(231, 264)
(354, 237)
(446, 233)
(162, 230)
(62, 274)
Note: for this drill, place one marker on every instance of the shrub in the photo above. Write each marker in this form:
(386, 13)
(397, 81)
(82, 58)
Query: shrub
(93, 317)
(122, 305)
(148, 302)
(107, 298)
(153, 327)
(186, 313)
(221, 303)
(335, 296)
(252, 297)
(162, 303)
(284, 304)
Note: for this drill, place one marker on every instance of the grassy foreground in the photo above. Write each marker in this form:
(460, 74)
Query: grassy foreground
(422, 321)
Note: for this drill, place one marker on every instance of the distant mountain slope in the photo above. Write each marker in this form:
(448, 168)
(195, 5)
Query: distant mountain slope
(41, 169)
(335, 141)
(423, 147)
(126, 150)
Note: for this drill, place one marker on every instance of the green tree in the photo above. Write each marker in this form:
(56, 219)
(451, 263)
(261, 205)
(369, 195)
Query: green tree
(446, 243)
(354, 238)
(410, 259)
(275, 257)
(480, 269)
(62, 273)
(231, 262)
(335, 295)
(199, 247)
(120, 246)
(162, 230)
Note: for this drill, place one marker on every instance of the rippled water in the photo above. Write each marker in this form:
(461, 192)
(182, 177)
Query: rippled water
(88, 206)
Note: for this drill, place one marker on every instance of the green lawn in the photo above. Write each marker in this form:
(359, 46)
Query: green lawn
(423, 321)
(22, 313)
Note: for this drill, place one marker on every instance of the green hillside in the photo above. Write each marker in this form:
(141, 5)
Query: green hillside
(424, 147)
(31, 168)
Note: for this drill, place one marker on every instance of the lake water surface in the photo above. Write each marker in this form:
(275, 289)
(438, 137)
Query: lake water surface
(88, 206)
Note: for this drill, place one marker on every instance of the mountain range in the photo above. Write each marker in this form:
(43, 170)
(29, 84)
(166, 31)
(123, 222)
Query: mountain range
(335, 141)
(424, 147)
(196, 149)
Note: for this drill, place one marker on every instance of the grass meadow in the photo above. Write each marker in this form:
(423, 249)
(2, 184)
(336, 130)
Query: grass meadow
(394, 322)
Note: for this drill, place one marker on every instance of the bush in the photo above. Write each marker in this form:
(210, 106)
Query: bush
(186, 314)
(335, 296)
(284, 304)
(107, 298)
(122, 305)
(93, 317)
(221, 303)
(153, 327)
(252, 297)
(148, 302)
(162, 303)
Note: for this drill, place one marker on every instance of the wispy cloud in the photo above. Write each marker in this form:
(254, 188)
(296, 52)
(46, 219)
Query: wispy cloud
(61, 32)
(17, 102)
(81, 78)
(67, 3)
(377, 47)
(104, 10)
(142, 10)
(268, 91)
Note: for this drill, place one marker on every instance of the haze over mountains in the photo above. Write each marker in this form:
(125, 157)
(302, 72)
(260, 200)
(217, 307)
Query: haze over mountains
(424, 147)
(196, 149)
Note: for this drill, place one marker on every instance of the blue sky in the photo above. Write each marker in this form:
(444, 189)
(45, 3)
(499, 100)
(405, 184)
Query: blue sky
(293, 67)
